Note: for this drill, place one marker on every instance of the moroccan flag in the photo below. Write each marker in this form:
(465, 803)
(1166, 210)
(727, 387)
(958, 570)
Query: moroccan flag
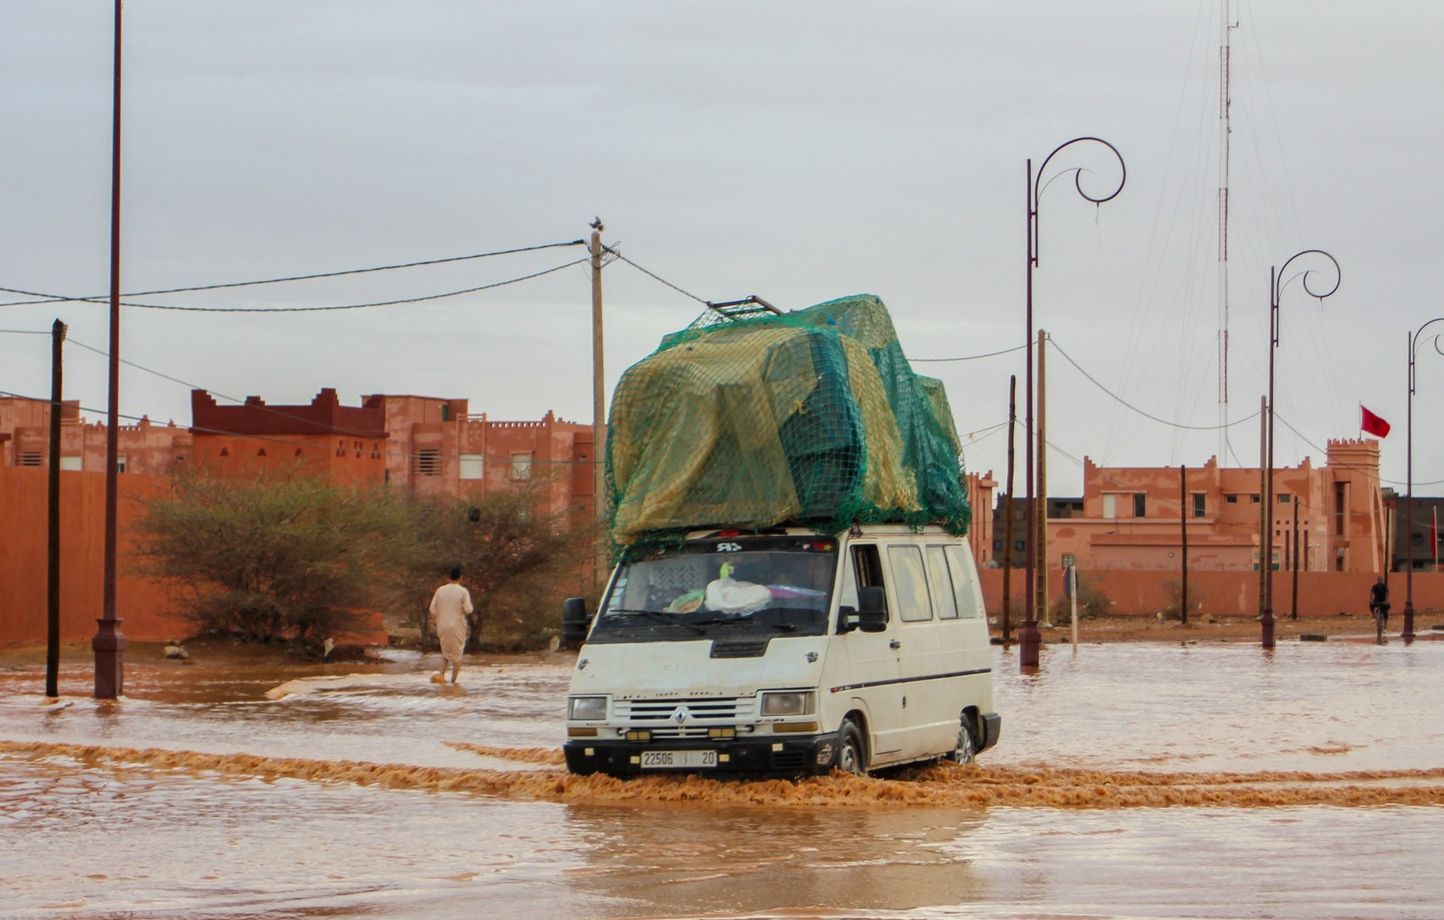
(1372, 424)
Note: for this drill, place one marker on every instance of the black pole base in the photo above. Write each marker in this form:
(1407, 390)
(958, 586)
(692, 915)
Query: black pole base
(109, 648)
(1266, 622)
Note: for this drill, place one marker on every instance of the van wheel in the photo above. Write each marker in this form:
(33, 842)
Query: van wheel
(851, 754)
(965, 749)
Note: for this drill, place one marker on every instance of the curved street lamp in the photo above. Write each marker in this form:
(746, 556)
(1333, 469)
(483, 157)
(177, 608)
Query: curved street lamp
(1409, 495)
(1278, 280)
(1028, 637)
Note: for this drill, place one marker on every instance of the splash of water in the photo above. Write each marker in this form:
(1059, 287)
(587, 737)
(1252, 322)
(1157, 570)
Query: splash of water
(943, 785)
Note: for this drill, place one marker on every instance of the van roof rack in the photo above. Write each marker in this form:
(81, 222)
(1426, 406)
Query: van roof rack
(747, 307)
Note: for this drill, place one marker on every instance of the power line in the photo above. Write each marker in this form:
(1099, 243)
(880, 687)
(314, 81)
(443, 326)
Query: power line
(1121, 400)
(55, 298)
(654, 276)
(334, 307)
(990, 354)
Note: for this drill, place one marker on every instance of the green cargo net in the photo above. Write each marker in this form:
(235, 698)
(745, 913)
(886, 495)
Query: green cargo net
(813, 417)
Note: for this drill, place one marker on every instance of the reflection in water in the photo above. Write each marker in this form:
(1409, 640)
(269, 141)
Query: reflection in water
(363, 789)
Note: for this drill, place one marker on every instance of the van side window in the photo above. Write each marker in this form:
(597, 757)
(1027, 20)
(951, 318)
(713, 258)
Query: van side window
(944, 599)
(867, 568)
(910, 583)
(969, 601)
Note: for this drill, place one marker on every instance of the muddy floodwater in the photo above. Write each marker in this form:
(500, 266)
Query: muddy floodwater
(1132, 780)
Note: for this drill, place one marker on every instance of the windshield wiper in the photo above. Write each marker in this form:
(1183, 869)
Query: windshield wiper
(658, 616)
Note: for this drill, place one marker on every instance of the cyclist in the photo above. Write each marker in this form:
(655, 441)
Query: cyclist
(1379, 604)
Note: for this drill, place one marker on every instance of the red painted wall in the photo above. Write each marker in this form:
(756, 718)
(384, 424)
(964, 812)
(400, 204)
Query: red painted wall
(142, 604)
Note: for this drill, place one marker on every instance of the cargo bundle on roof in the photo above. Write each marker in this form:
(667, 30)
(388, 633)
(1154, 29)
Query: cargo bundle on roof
(812, 417)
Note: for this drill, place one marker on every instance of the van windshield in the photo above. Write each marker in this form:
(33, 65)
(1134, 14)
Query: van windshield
(725, 586)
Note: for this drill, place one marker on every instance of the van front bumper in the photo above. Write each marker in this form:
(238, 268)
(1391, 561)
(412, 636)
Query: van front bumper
(765, 755)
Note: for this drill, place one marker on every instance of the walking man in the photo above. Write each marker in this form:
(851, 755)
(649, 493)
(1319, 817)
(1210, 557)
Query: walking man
(450, 606)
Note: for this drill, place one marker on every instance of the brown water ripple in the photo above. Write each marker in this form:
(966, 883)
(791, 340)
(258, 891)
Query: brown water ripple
(939, 786)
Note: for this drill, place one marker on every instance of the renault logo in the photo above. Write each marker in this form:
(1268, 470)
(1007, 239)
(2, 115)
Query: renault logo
(680, 715)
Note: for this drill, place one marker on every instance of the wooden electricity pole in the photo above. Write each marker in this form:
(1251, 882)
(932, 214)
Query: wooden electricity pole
(1008, 511)
(599, 408)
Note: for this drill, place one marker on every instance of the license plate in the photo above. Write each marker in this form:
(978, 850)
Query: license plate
(672, 760)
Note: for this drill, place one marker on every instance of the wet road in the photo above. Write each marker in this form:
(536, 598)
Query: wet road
(1132, 781)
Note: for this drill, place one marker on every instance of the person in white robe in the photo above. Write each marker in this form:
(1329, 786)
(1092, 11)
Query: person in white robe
(450, 606)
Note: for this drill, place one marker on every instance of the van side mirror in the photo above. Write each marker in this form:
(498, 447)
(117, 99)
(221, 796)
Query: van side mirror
(575, 621)
(871, 609)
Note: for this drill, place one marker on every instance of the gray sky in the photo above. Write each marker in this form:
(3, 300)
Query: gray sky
(799, 151)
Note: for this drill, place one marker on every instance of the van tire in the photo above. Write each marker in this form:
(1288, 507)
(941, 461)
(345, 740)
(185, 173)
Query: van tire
(851, 751)
(966, 747)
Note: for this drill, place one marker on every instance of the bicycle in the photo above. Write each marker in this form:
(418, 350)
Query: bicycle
(1381, 619)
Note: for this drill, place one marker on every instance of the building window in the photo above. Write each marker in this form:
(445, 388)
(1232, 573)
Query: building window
(1140, 504)
(32, 458)
(997, 546)
(1231, 499)
(1198, 504)
(1110, 506)
(472, 466)
(120, 463)
(1019, 545)
(428, 461)
(1253, 499)
(1284, 498)
(521, 465)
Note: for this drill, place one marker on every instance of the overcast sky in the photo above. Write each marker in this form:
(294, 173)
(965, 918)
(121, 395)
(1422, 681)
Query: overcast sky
(798, 151)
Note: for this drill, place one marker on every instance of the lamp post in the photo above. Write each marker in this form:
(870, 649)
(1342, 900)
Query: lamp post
(1028, 637)
(1409, 477)
(1278, 280)
(109, 643)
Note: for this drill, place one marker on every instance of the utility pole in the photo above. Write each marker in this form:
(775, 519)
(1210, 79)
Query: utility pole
(1008, 511)
(599, 408)
(1183, 528)
(1263, 521)
(1294, 603)
(109, 642)
(1040, 590)
(52, 586)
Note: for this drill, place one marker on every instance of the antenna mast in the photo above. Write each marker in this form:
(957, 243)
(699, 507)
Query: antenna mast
(1226, 27)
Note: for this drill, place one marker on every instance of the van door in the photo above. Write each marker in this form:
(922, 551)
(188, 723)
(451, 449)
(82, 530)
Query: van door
(868, 678)
(924, 661)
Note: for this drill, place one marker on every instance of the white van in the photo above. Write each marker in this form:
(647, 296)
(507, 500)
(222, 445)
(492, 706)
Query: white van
(784, 652)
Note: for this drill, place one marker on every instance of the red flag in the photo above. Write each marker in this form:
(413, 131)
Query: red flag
(1372, 424)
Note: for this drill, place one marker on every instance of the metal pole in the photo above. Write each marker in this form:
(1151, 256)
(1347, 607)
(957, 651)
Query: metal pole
(1008, 513)
(1263, 457)
(52, 591)
(1409, 494)
(1028, 636)
(1183, 530)
(109, 642)
(1040, 589)
(1267, 620)
(1278, 279)
(1294, 602)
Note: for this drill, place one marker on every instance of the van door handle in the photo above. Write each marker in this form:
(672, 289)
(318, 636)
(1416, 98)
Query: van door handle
(894, 644)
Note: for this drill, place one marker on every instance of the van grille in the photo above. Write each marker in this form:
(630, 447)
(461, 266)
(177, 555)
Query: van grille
(657, 715)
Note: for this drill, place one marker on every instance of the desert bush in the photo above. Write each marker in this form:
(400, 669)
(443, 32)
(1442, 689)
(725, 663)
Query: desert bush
(1092, 602)
(517, 561)
(271, 558)
(1174, 609)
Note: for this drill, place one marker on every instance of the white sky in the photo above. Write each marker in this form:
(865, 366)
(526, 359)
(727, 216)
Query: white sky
(799, 151)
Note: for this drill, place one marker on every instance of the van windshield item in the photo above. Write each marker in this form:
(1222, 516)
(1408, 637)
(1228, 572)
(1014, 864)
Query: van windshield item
(724, 586)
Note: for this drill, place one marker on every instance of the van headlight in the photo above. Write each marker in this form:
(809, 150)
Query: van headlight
(787, 704)
(586, 708)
